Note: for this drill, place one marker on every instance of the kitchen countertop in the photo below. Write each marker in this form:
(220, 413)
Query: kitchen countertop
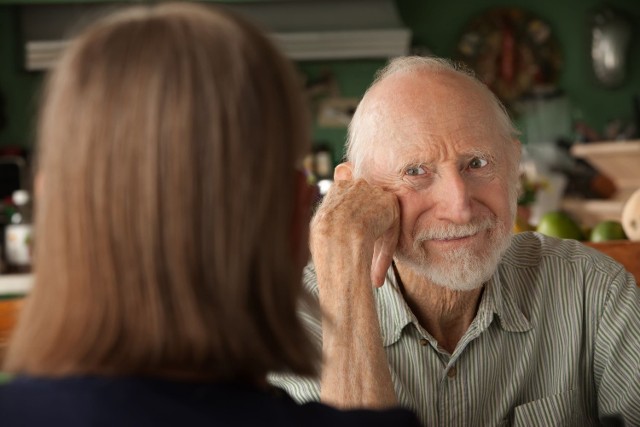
(15, 284)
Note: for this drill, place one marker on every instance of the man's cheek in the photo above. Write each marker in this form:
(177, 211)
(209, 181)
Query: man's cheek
(405, 242)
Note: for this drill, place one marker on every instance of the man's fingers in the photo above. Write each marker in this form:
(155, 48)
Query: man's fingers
(365, 214)
(383, 252)
(379, 268)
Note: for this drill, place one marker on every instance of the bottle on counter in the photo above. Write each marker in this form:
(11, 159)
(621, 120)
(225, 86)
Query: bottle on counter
(18, 235)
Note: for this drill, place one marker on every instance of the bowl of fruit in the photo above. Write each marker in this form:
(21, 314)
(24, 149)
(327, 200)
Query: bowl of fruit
(618, 239)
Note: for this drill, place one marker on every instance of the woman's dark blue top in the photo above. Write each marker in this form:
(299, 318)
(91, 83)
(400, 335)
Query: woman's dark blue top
(141, 402)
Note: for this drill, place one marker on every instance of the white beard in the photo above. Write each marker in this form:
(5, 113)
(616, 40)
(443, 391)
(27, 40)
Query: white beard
(462, 269)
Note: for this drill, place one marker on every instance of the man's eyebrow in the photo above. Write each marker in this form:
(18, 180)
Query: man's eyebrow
(484, 154)
(418, 160)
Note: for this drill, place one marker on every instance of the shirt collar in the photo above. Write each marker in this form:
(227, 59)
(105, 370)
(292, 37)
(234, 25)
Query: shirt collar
(498, 299)
(394, 314)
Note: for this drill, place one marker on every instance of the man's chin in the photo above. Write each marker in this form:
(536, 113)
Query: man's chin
(459, 269)
(452, 276)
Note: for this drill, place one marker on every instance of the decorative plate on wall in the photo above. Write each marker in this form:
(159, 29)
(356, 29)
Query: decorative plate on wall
(513, 51)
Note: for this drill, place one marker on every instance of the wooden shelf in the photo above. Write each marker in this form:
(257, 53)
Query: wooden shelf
(619, 160)
(9, 313)
(589, 212)
(606, 148)
(15, 284)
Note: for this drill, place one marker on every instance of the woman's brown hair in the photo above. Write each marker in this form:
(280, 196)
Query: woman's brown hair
(168, 140)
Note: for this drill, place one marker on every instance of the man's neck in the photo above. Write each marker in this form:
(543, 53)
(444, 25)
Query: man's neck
(444, 313)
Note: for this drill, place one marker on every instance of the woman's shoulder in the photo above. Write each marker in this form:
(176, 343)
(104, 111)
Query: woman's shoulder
(27, 401)
(102, 401)
(322, 415)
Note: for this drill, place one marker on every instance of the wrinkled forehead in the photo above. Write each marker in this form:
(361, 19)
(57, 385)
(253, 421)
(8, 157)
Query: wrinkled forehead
(429, 118)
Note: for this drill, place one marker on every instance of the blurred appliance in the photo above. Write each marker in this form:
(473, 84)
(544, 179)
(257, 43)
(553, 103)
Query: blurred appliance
(610, 40)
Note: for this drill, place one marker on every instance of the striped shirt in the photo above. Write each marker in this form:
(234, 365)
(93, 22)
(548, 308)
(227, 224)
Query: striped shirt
(555, 342)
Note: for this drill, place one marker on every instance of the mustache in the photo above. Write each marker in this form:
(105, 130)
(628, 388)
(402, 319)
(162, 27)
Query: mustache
(455, 231)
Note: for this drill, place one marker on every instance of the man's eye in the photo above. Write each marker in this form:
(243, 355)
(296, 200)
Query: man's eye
(415, 171)
(477, 163)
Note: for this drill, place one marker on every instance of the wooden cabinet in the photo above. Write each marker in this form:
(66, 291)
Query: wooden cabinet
(13, 287)
(625, 252)
(618, 160)
(9, 311)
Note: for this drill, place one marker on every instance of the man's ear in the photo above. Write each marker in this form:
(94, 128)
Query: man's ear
(517, 149)
(516, 156)
(343, 172)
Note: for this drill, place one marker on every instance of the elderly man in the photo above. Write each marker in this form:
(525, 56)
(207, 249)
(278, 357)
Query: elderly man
(464, 323)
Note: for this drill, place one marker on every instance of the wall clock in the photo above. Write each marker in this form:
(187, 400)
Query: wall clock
(513, 51)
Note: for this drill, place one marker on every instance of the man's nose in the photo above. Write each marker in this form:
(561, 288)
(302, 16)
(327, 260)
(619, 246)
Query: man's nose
(452, 198)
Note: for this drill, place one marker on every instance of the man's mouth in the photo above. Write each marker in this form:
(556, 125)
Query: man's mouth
(454, 238)
(450, 239)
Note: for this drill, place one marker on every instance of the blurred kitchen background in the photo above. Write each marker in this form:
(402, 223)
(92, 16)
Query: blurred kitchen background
(568, 71)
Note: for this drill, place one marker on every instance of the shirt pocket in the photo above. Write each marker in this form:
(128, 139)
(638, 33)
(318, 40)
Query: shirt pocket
(557, 410)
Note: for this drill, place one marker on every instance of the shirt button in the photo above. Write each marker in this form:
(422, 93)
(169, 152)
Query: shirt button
(452, 372)
(423, 341)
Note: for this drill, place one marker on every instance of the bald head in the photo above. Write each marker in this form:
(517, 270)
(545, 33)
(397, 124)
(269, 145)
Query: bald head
(417, 94)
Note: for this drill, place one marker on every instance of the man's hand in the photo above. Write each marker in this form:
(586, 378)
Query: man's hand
(355, 211)
(353, 237)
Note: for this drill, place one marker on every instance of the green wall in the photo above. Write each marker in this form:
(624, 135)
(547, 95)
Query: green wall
(436, 24)
(353, 78)
(18, 87)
